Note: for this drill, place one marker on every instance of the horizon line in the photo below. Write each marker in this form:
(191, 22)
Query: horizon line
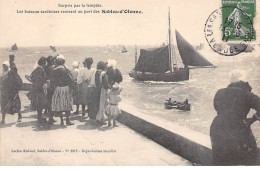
(93, 45)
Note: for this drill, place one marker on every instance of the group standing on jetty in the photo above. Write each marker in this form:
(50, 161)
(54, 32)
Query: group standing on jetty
(55, 89)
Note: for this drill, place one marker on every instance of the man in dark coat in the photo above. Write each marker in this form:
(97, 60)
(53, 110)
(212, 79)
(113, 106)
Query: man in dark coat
(39, 99)
(233, 142)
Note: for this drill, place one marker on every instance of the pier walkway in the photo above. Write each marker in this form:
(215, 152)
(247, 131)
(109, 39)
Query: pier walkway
(84, 143)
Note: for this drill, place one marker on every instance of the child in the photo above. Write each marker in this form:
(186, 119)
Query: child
(114, 98)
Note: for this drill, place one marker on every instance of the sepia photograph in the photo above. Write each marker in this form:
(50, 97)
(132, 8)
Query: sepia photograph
(130, 83)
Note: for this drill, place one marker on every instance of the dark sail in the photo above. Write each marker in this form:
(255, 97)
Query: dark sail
(189, 55)
(153, 60)
(123, 50)
(14, 47)
(53, 49)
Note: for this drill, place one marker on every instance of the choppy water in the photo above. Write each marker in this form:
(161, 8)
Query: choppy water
(149, 96)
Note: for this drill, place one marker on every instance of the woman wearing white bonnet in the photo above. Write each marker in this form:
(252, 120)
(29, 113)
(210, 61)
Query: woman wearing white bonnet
(113, 74)
(6, 63)
(233, 142)
(237, 75)
(111, 63)
(75, 64)
(6, 66)
(11, 83)
(60, 56)
(62, 99)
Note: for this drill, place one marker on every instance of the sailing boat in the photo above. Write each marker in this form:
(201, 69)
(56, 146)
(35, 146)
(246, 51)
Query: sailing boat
(53, 49)
(158, 64)
(124, 50)
(14, 47)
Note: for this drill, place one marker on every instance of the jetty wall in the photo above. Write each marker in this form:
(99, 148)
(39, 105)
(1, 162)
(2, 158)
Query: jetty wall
(189, 144)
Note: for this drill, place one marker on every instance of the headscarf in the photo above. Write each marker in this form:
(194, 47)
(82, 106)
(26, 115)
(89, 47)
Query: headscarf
(75, 64)
(61, 57)
(5, 72)
(237, 75)
(6, 63)
(111, 63)
(60, 60)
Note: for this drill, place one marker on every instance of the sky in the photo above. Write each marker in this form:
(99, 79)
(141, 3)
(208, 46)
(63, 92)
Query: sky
(148, 28)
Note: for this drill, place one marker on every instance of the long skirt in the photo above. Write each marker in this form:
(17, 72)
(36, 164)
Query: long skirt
(232, 142)
(83, 91)
(101, 116)
(62, 99)
(10, 103)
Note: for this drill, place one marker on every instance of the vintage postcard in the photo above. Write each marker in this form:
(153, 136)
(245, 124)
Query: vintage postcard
(129, 83)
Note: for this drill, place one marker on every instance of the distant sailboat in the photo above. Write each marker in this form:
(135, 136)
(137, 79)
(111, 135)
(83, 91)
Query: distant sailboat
(14, 47)
(158, 64)
(53, 49)
(124, 50)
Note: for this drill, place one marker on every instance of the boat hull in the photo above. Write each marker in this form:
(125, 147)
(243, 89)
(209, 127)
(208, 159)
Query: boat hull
(180, 75)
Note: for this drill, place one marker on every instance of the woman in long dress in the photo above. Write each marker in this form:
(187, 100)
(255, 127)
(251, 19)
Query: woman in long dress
(233, 142)
(83, 81)
(10, 100)
(39, 89)
(102, 87)
(62, 82)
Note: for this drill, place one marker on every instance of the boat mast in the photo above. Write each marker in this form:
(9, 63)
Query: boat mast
(170, 45)
(135, 55)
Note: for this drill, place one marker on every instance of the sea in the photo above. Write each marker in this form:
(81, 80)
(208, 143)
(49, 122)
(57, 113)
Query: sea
(148, 97)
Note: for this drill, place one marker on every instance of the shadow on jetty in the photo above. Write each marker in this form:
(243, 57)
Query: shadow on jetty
(7, 125)
(89, 125)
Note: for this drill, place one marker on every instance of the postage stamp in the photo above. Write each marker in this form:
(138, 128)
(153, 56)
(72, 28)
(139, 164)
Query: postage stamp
(229, 29)
(237, 19)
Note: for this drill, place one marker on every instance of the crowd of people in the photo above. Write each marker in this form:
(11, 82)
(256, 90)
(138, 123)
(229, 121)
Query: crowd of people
(55, 89)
